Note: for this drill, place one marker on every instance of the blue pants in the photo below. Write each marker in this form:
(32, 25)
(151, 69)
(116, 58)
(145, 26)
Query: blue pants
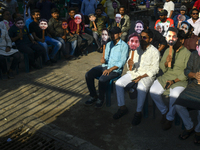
(73, 45)
(57, 45)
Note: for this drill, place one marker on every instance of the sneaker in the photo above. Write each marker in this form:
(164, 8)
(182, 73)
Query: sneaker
(163, 120)
(137, 118)
(48, 63)
(53, 60)
(167, 125)
(120, 113)
(99, 103)
(90, 101)
(11, 75)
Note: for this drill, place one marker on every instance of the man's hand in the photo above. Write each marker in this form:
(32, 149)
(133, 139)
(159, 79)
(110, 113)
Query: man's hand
(197, 76)
(103, 61)
(64, 37)
(26, 14)
(130, 62)
(20, 35)
(94, 29)
(8, 49)
(106, 72)
(70, 34)
(168, 84)
(42, 40)
(136, 80)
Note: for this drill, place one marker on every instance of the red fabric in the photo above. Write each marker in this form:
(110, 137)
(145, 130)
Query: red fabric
(197, 4)
(72, 26)
(190, 43)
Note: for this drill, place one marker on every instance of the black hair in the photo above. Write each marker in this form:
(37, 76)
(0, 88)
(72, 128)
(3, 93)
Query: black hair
(98, 8)
(139, 21)
(14, 16)
(132, 35)
(55, 10)
(45, 20)
(122, 6)
(71, 9)
(146, 23)
(149, 32)
(34, 11)
(190, 32)
(18, 19)
(181, 34)
(99, 5)
(193, 10)
(4, 11)
(105, 29)
(173, 30)
(64, 20)
(199, 35)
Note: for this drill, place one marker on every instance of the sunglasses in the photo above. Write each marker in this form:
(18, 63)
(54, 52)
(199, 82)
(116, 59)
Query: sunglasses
(144, 37)
(195, 13)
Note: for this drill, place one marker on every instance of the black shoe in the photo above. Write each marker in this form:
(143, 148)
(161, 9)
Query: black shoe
(163, 120)
(35, 66)
(48, 63)
(91, 101)
(11, 75)
(167, 125)
(120, 113)
(99, 103)
(4, 77)
(53, 60)
(137, 118)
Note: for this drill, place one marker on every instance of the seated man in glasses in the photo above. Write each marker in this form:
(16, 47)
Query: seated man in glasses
(116, 54)
(144, 66)
(195, 21)
(173, 78)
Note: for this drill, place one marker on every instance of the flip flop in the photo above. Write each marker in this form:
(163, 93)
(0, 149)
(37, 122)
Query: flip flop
(197, 139)
(186, 134)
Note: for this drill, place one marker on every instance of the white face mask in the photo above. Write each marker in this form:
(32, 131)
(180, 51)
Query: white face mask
(198, 50)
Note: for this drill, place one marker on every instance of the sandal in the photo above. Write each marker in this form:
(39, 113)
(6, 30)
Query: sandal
(197, 139)
(120, 113)
(186, 134)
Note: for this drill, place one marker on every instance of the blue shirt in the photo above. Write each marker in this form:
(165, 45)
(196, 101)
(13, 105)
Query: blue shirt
(28, 21)
(88, 7)
(116, 55)
(176, 19)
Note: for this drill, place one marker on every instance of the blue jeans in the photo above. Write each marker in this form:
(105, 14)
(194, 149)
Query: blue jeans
(50, 41)
(73, 45)
(63, 48)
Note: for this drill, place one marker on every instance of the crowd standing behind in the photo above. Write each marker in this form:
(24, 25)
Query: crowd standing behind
(161, 60)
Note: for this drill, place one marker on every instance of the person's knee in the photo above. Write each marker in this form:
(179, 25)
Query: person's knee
(153, 89)
(59, 44)
(102, 79)
(17, 56)
(178, 108)
(119, 83)
(141, 87)
(175, 93)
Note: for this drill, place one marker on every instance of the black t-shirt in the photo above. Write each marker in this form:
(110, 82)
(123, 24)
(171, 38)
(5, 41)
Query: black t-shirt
(34, 27)
(14, 31)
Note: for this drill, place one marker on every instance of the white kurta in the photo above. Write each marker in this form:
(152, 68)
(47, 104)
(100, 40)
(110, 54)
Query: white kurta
(145, 62)
(4, 42)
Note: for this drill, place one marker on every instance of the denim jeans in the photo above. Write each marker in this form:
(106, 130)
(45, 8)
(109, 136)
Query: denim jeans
(73, 45)
(64, 48)
(50, 41)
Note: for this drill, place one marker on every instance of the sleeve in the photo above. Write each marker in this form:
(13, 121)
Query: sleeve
(124, 56)
(8, 40)
(83, 7)
(172, 6)
(3, 26)
(156, 24)
(190, 65)
(153, 70)
(196, 4)
(182, 75)
(163, 60)
(171, 23)
(91, 25)
(107, 50)
(127, 28)
(11, 33)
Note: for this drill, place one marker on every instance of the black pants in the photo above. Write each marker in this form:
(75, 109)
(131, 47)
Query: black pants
(103, 80)
(33, 51)
(15, 62)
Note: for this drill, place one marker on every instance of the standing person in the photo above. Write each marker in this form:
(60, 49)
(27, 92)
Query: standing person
(45, 7)
(80, 35)
(6, 50)
(183, 10)
(11, 6)
(195, 21)
(25, 43)
(88, 7)
(110, 10)
(164, 21)
(145, 66)
(57, 32)
(169, 6)
(29, 6)
(124, 24)
(116, 54)
(100, 22)
(190, 97)
(197, 4)
(173, 78)
(36, 31)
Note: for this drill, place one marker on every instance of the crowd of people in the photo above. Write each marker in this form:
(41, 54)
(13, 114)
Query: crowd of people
(171, 48)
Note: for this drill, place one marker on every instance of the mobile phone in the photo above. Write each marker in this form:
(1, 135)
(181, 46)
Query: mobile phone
(166, 85)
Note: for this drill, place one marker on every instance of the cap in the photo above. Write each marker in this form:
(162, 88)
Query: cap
(183, 8)
(115, 30)
(118, 15)
(163, 12)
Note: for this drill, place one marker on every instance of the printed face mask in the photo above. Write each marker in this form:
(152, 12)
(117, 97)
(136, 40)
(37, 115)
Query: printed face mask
(139, 27)
(171, 38)
(104, 36)
(118, 18)
(77, 19)
(92, 18)
(184, 27)
(64, 25)
(43, 25)
(114, 4)
(134, 43)
(20, 24)
(198, 47)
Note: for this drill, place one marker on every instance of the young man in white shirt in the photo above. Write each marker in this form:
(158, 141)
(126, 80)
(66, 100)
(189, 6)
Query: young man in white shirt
(195, 21)
(169, 6)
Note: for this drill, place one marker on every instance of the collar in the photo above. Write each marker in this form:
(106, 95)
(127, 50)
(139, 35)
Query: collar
(118, 43)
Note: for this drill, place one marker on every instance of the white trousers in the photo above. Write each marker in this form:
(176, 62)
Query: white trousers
(184, 114)
(141, 89)
(156, 91)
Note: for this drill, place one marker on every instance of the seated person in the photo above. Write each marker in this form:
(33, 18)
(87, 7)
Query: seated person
(190, 38)
(164, 22)
(124, 24)
(36, 31)
(116, 54)
(195, 20)
(6, 50)
(16, 15)
(100, 23)
(190, 97)
(6, 23)
(25, 43)
(57, 32)
(177, 18)
(173, 78)
(79, 34)
(102, 10)
(143, 73)
(158, 41)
